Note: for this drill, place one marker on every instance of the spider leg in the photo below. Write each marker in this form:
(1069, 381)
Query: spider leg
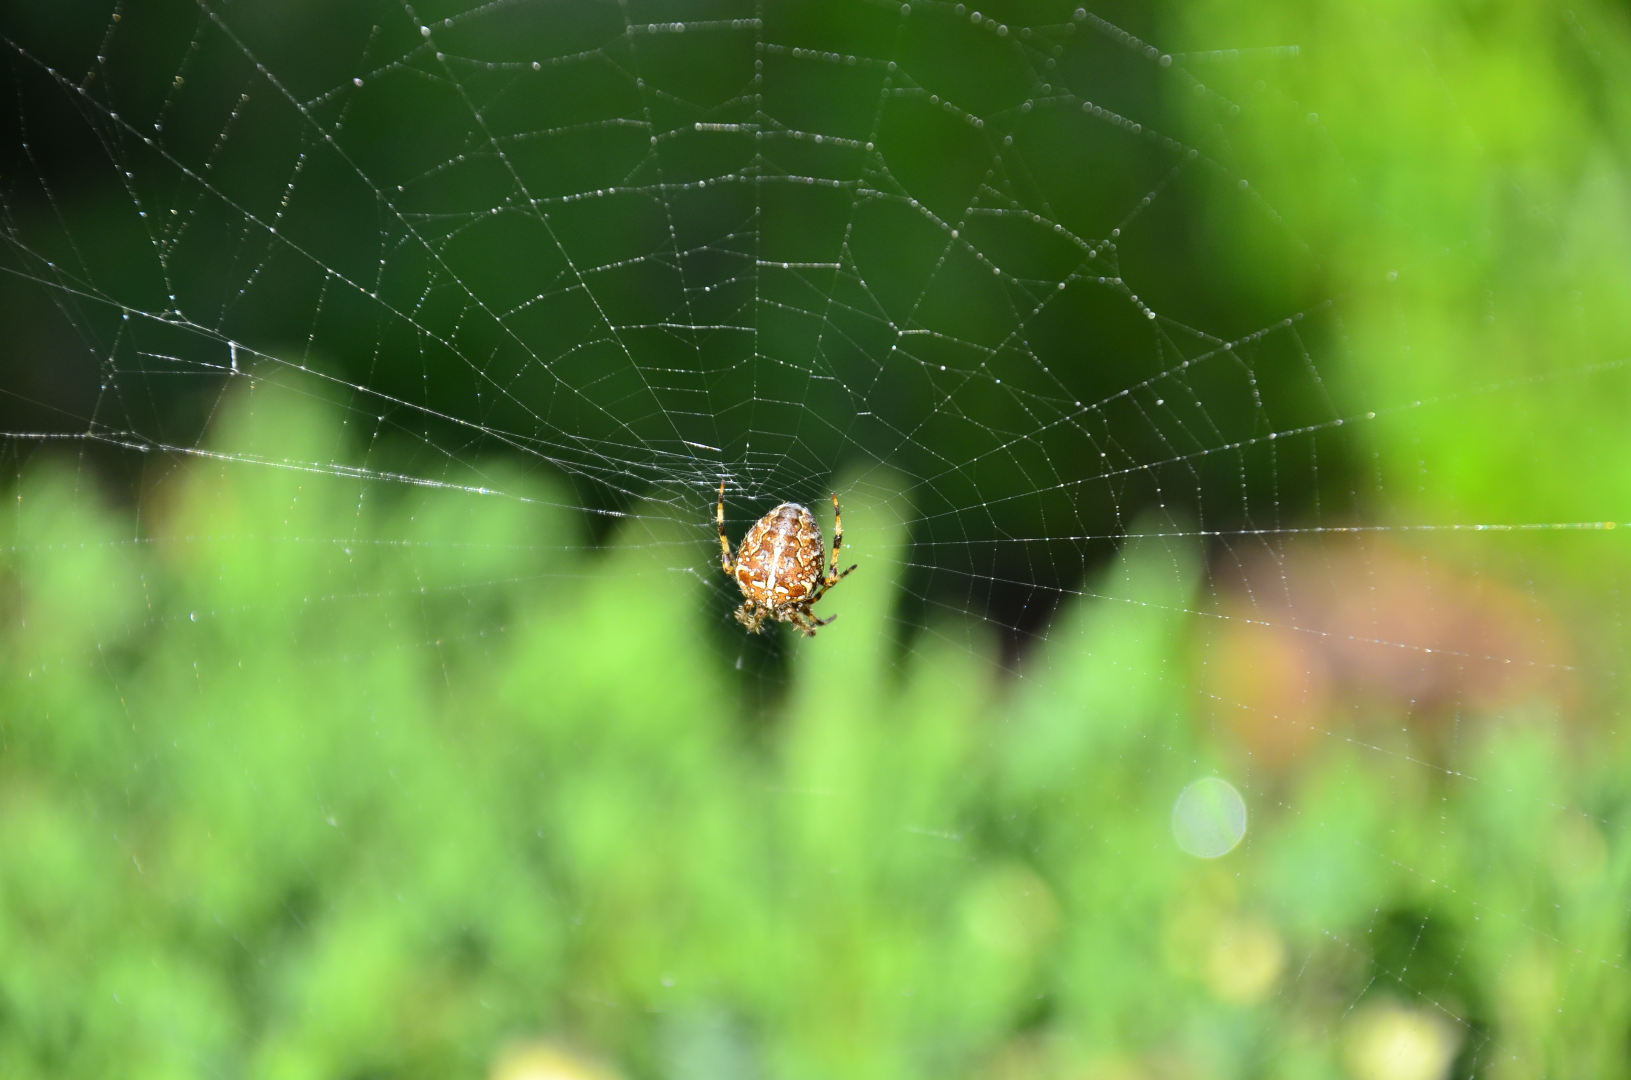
(752, 616)
(725, 559)
(837, 536)
(834, 579)
(806, 622)
(833, 576)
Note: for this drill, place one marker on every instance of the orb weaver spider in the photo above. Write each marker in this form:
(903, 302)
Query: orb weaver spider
(778, 566)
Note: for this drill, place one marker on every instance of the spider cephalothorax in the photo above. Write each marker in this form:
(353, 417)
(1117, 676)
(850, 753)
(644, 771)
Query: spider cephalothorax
(778, 567)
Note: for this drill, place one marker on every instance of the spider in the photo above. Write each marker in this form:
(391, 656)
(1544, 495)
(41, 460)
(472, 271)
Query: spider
(778, 567)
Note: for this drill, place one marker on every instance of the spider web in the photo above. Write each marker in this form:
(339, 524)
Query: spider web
(912, 252)
(661, 320)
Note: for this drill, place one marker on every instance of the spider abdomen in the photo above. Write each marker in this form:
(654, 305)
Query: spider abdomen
(781, 557)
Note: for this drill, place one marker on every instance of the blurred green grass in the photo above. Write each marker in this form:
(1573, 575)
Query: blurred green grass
(1461, 169)
(318, 780)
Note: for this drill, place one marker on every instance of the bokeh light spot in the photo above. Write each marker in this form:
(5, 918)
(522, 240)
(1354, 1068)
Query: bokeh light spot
(1388, 1041)
(1209, 818)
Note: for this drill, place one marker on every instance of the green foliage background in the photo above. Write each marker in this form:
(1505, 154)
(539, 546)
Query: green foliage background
(310, 782)
(304, 776)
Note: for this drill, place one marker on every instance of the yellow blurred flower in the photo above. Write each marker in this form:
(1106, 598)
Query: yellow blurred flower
(1388, 1041)
(1245, 962)
(543, 1060)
